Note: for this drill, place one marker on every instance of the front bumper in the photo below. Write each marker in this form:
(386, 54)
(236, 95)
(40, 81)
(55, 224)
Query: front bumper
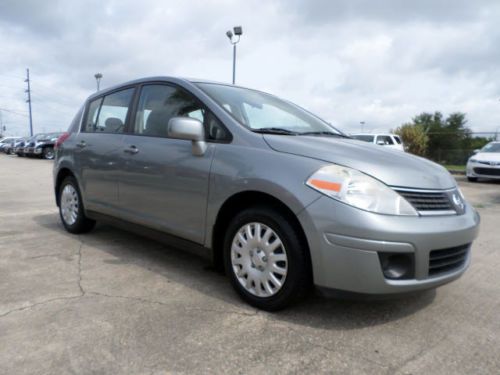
(483, 170)
(345, 243)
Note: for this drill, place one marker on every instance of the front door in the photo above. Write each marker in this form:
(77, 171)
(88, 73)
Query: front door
(164, 185)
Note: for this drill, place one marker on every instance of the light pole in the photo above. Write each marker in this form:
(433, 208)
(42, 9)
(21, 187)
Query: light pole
(98, 77)
(237, 34)
(362, 126)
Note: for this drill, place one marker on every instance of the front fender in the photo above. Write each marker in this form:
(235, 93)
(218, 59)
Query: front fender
(238, 169)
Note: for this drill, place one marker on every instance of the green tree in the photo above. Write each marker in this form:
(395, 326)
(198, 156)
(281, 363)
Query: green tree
(414, 137)
(448, 138)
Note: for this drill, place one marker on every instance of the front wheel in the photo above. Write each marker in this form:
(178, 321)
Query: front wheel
(71, 208)
(265, 259)
(471, 179)
(48, 153)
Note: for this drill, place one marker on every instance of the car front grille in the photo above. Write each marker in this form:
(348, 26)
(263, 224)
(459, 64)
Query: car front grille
(447, 260)
(427, 201)
(487, 171)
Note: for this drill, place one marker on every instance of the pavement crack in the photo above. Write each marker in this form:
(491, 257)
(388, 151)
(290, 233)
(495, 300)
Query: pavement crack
(311, 342)
(419, 354)
(187, 309)
(79, 281)
(46, 256)
(39, 304)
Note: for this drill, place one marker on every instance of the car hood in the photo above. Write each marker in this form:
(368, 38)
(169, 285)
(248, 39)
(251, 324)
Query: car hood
(390, 166)
(487, 156)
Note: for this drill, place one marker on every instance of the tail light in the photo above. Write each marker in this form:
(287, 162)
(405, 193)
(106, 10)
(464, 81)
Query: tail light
(61, 139)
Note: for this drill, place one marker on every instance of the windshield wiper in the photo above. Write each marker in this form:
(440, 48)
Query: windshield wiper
(273, 130)
(325, 133)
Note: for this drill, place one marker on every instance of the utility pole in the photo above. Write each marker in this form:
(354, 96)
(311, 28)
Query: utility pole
(27, 80)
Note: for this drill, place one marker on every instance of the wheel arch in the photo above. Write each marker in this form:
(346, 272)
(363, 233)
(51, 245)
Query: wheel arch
(246, 199)
(61, 175)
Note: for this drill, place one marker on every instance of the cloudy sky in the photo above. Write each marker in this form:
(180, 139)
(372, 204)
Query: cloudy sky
(380, 62)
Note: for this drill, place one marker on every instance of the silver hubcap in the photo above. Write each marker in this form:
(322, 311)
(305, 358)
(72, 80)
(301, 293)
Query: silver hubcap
(69, 204)
(49, 154)
(259, 259)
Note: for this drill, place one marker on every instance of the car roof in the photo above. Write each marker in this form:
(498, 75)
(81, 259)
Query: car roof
(172, 79)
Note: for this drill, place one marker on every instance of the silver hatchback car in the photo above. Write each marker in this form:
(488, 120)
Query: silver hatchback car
(277, 197)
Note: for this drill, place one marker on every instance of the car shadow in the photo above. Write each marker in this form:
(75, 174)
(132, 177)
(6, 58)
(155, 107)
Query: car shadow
(197, 273)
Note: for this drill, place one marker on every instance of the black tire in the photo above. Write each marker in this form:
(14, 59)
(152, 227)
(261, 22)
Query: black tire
(82, 224)
(472, 179)
(20, 155)
(48, 153)
(298, 278)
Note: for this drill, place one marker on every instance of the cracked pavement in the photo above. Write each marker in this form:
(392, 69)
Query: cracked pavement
(113, 302)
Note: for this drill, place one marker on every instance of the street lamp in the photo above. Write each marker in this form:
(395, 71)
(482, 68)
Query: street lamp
(98, 77)
(362, 126)
(234, 39)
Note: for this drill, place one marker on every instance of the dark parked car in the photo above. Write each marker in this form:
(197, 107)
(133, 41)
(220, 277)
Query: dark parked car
(6, 145)
(41, 145)
(19, 149)
(18, 146)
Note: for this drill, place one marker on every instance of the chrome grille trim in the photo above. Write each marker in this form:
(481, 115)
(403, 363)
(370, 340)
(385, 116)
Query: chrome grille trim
(429, 202)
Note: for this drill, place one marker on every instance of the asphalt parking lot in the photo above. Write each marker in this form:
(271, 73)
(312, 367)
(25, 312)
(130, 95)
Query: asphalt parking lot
(112, 302)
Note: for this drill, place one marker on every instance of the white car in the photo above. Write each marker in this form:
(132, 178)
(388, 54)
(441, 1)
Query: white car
(485, 163)
(6, 144)
(387, 140)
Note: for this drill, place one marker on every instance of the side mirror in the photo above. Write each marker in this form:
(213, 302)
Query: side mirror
(475, 152)
(189, 129)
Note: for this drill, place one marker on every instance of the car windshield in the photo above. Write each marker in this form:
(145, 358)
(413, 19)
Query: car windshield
(263, 112)
(40, 137)
(366, 138)
(491, 147)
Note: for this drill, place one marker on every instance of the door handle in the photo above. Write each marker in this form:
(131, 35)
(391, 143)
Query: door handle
(131, 150)
(82, 144)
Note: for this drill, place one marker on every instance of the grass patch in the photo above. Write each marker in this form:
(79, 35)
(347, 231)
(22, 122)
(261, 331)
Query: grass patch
(452, 167)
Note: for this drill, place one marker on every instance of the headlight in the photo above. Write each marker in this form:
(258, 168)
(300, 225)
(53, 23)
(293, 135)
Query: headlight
(359, 190)
(473, 160)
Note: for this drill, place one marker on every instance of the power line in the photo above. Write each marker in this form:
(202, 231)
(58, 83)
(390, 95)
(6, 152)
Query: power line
(14, 112)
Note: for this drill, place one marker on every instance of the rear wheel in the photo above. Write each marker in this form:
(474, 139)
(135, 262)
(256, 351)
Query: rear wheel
(71, 208)
(265, 259)
(48, 153)
(471, 179)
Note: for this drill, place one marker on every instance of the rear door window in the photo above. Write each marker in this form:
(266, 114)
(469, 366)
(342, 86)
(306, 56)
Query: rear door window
(109, 114)
(398, 140)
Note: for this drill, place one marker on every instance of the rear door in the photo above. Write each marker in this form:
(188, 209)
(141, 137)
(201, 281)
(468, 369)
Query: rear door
(164, 185)
(99, 149)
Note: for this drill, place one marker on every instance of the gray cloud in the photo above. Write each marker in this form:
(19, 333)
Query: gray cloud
(349, 61)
